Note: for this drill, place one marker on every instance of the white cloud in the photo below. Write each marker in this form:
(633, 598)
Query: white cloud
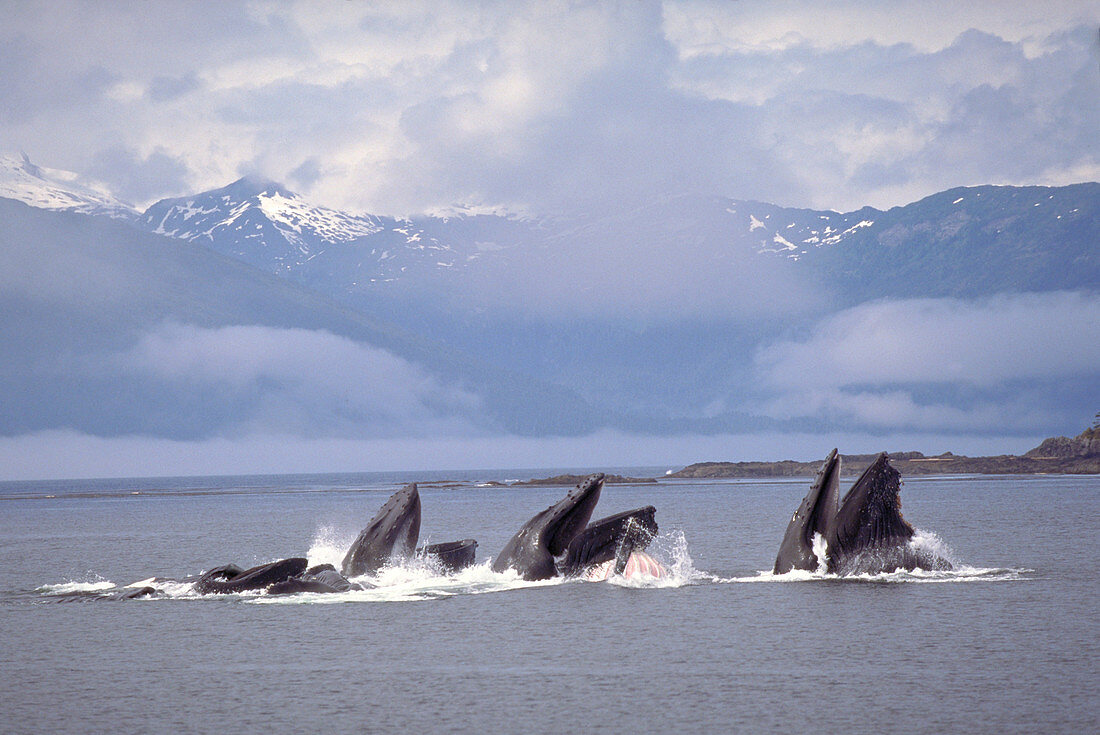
(302, 381)
(699, 27)
(984, 342)
(540, 107)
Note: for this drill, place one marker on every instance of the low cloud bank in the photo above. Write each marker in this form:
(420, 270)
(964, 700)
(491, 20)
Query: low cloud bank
(938, 363)
(300, 380)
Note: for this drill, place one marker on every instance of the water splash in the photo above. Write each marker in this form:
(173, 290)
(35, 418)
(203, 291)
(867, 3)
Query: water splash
(821, 551)
(328, 546)
(927, 543)
(415, 580)
(670, 550)
(421, 578)
(924, 544)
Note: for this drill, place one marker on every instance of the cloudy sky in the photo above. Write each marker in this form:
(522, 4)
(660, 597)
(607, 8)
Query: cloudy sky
(568, 108)
(405, 107)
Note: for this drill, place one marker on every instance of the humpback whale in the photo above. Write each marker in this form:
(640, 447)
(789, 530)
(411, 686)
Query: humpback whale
(230, 578)
(613, 538)
(813, 516)
(863, 533)
(532, 550)
(391, 534)
(451, 556)
(321, 578)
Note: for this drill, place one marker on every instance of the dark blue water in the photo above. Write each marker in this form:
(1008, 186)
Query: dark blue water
(1009, 643)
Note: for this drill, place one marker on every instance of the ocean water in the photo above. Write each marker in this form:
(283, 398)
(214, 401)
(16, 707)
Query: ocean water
(1007, 642)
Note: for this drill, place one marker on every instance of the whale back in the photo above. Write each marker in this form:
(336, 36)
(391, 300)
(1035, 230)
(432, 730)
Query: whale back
(222, 580)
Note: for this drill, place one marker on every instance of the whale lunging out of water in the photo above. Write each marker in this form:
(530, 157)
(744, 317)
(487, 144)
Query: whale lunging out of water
(612, 539)
(862, 533)
(562, 531)
(532, 550)
(391, 535)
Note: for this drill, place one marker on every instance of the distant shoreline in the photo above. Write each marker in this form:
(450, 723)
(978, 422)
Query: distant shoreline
(1059, 455)
(907, 463)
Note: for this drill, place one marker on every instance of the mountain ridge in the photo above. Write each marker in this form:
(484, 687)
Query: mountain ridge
(653, 320)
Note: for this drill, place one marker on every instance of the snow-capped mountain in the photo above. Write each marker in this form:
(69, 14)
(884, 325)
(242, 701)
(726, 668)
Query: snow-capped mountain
(257, 216)
(646, 319)
(48, 188)
(264, 224)
(272, 228)
(793, 233)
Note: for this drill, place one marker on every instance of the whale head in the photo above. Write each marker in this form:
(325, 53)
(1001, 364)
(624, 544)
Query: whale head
(391, 534)
(532, 550)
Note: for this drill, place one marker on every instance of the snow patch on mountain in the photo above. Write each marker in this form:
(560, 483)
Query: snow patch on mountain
(294, 218)
(49, 188)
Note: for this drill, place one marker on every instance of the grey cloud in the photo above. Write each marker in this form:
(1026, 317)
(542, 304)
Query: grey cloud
(32, 86)
(136, 178)
(867, 124)
(307, 174)
(619, 139)
(166, 88)
(605, 111)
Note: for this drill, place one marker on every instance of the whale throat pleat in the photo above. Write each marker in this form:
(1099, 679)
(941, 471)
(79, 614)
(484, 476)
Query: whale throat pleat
(870, 514)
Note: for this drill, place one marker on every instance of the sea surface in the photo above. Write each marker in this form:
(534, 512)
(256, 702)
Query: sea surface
(1007, 642)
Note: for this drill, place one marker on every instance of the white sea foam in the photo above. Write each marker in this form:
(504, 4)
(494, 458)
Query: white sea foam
(925, 542)
(958, 574)
(929, 543)
(421, 578)
(141, 583)
(416, 580)
(68, 588)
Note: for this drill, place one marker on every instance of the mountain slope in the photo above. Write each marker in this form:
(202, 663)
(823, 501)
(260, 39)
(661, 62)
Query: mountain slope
(264, 224)
(110, 330)
(973, 241)
(655, 313)
(962, 242)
